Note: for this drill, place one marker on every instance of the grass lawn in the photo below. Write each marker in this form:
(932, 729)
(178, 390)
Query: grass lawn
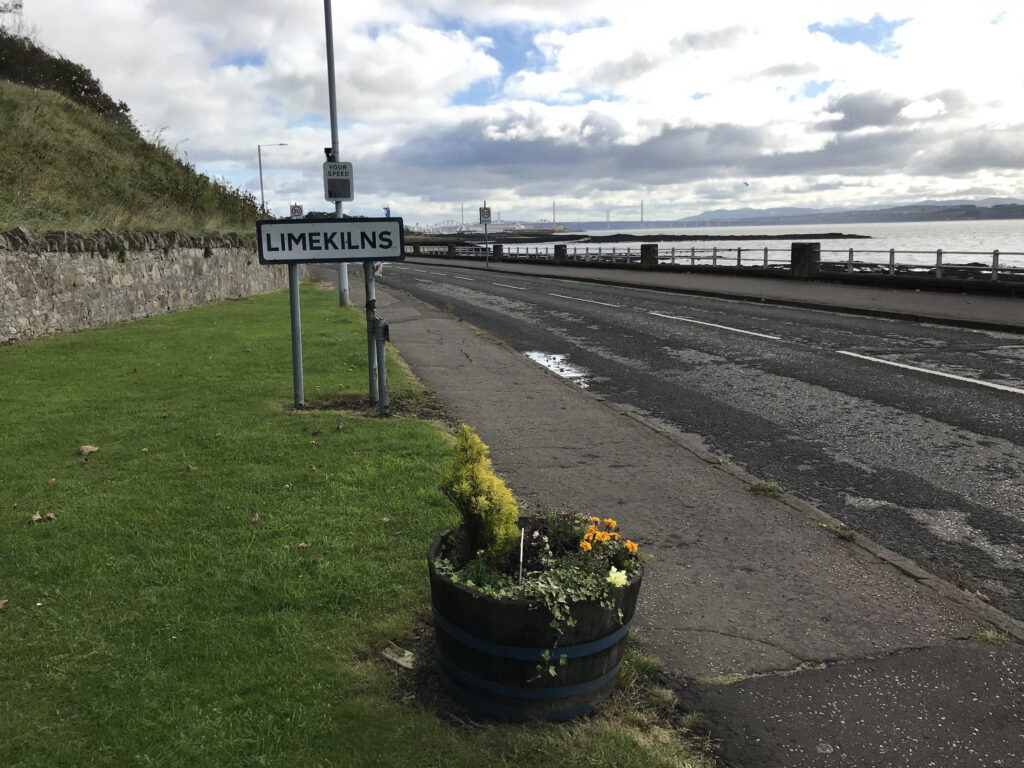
(152, 622)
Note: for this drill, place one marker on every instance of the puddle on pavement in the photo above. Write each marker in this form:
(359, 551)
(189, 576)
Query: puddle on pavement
(560, 365)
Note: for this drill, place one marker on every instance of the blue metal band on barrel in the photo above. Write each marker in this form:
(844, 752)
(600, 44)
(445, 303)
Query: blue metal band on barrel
(533, 694)
(512, 714)
(530, 653)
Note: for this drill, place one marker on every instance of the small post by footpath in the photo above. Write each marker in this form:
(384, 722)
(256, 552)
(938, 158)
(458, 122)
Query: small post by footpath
(498, 254)
(451, 250)
(561, 254)
(805, 260)
(371, 329)
(648, 256)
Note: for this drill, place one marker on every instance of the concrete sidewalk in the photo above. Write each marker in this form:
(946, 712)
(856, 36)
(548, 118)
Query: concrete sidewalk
(835, 652)
(1001, 313)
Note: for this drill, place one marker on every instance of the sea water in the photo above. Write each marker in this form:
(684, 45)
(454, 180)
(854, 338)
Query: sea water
(915, 242)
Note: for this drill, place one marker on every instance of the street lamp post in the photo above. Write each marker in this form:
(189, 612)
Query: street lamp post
(259, 154)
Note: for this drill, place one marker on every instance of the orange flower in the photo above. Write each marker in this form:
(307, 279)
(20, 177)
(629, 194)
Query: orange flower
(610, 524)
(585, 545)
(603, 536)
(589, 535)
(631, 547)
(596, 519)
(616, 536)
(592, 529)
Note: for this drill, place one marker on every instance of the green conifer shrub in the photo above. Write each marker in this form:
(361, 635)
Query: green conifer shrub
(488, 508)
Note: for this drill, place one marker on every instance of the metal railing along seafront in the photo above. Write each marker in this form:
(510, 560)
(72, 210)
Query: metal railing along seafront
(939, 264)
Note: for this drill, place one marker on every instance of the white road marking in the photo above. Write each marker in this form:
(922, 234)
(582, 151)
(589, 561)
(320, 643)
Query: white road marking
(442, 274)
(471, 279)
(715, 325)
(504, 285)
(953, 376)
(589, 301)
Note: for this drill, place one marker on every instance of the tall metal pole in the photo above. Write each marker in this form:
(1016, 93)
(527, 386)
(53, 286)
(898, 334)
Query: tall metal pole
(343, 294)
(259, 153)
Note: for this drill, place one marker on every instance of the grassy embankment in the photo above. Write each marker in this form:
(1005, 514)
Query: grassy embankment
(66, 167)
(152, 622)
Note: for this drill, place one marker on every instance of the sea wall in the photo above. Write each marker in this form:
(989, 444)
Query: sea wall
(61, 282)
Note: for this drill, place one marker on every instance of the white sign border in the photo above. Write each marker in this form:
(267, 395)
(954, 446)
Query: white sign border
(341, 225)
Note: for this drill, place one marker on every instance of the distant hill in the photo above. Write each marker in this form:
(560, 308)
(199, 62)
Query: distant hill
(749, 213)
(929, 211)
(71, 159)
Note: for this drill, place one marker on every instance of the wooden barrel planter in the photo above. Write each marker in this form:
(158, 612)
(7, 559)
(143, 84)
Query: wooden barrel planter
(489, 650)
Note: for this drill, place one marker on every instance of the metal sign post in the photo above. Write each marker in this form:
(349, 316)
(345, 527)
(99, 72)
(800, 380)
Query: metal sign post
(293, 304)
(295, 241)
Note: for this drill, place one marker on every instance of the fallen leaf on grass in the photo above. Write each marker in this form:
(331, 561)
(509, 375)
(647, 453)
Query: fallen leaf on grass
(36, 518)
(312, 467)
(3, 604)
(256, 518)
(51, 480)
(50, 516)
(340, 426)
(85, 450)
(165, 414)
(287, 547)
(191, 468)
(304, 545)
(145, 450)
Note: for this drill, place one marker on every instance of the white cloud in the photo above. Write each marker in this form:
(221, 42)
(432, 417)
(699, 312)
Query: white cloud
(678, 103)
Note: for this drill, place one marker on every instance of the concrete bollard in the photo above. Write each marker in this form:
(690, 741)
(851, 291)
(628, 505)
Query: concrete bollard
(561, 254)
(648, 256)
(416, 250)
(499, 252)
(805, 260)
(451, 250)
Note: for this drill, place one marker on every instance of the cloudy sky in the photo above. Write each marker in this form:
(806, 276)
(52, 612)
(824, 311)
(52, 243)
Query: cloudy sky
(593, 104)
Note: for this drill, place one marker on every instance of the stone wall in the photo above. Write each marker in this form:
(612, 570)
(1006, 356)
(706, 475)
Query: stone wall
(63, 282)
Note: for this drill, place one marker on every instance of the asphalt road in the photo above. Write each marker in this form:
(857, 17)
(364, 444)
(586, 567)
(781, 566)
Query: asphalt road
(910, 433)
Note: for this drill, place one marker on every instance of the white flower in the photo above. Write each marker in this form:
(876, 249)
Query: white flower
(617, 578)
